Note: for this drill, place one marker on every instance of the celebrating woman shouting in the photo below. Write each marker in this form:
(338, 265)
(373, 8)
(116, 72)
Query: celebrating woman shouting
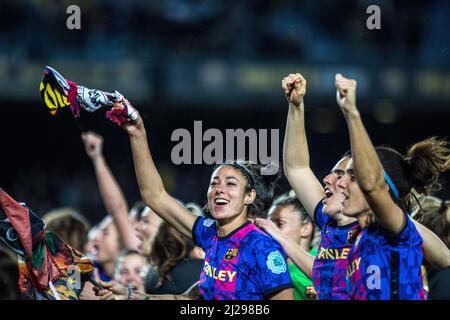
(241, 262)
(385, 260)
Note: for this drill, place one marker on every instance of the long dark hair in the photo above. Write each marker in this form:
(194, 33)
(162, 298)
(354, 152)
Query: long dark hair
(264, 186)
(168, 249)
(418, 170)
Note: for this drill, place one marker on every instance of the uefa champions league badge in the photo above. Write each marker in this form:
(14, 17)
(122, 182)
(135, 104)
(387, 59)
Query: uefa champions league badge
(57, 92)
(276, 263)
(208, 222)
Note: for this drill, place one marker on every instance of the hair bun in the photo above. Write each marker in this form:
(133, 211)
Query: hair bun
(427, 159)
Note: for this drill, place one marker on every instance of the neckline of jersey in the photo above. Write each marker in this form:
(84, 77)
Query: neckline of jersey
(234, 231)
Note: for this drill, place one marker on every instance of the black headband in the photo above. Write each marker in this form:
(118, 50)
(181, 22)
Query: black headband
(242, 168)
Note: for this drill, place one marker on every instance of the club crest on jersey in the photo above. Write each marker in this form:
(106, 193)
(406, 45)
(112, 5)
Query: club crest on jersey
(231, 253)
(276, 263)
(351, 236)
(311, 293)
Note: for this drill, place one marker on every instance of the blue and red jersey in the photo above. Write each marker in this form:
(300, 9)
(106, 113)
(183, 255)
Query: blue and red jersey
(384, 267)
(247, 264)
(330, 264)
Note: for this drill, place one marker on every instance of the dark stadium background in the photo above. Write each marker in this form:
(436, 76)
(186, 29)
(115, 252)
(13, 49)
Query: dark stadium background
(220, 62)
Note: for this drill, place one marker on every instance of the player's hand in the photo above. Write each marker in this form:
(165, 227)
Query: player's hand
(294, 86)
(270, 227)
(346, 93)
(88, 292)
(93, 143)
(133, 122)
(111, 291)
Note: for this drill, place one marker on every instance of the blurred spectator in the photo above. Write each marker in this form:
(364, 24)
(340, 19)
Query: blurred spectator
(135, 213)
(294, 222)
(173, 271)
(106, 248)
(110, 191)
(196, 252)
(9, 275)
(434, 213)
(89, 248)
(148, 228)
(131, 270)
(70, 225)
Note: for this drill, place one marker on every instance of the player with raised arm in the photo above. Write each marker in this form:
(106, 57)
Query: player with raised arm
(323, 204)
(241, 261)
(385, 261)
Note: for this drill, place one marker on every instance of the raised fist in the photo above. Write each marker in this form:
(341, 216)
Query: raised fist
(346, 93)
(93, 143)
(294, 86)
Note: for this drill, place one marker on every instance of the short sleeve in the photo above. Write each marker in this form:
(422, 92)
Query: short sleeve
(267, 265)
(203, 231)
(408, 237)
(320, 218)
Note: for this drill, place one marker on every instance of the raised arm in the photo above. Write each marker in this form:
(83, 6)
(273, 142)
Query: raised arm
(110, 191)
(295, 151)
(150, 183)
(302, 259)
(367, 166)
(436, 253)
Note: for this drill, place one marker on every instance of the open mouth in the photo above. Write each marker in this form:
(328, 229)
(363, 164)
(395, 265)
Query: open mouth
(94, 250)
(221, 201)
(328, 192)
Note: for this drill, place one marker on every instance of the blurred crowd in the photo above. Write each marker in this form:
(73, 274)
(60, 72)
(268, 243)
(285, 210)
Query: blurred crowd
(133, 246)
(245, 29)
